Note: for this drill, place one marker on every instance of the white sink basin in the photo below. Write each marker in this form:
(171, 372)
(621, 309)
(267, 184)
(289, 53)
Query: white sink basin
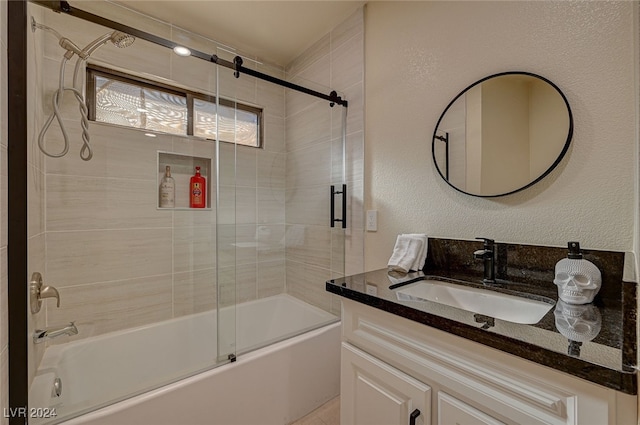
(490, 303)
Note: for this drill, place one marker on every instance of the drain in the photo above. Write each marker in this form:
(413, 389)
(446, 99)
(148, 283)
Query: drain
(57, 387)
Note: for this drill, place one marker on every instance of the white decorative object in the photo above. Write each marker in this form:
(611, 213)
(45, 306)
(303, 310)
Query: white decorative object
(578, 280)
(580, 323)
(409, 253)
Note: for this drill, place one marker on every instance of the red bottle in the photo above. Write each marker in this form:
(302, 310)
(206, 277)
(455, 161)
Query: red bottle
(197, 191)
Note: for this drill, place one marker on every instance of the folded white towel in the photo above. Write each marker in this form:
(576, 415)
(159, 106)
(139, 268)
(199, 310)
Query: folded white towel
(418, 264)
(409, 253)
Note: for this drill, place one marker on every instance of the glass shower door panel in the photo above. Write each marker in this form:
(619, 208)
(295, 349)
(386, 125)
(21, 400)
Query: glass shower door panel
(135, 279)
(226, 224)
(314, 148)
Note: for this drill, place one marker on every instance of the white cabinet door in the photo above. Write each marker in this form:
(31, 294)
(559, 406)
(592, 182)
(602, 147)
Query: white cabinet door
(452, 411)
(374, 393)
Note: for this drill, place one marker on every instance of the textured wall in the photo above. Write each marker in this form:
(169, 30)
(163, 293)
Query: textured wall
(419, 55)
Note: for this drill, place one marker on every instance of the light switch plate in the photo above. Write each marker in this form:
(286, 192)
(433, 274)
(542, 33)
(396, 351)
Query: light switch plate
(372, 220)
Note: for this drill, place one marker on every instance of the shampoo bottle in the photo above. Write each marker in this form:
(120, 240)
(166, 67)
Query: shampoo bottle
(197, 191)
(167, 190)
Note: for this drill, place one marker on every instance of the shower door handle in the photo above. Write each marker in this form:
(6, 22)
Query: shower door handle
(343, 220)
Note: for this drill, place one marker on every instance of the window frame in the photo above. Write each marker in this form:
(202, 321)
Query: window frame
(93, 70)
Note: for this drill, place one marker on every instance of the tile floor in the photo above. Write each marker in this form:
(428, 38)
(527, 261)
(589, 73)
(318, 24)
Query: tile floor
(327, 414)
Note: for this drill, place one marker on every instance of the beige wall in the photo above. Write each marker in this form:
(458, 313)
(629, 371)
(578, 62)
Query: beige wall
(416, 64)
(314, 139)
(4, 340)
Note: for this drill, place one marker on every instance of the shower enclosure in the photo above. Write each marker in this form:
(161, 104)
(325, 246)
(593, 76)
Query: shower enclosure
(275, 221)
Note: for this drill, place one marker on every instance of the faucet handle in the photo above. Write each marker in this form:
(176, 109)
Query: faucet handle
(50, 292)
(38, 291)
(488, 243)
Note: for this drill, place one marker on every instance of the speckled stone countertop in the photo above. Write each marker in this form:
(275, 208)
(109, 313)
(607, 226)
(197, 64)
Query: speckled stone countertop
(605, 356)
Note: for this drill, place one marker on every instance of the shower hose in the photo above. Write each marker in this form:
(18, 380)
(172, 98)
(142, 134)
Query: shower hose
(86, 153)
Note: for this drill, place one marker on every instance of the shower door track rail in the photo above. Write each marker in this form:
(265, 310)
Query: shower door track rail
(236, 65)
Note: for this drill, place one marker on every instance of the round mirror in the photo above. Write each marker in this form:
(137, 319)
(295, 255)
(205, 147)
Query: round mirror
(502, 134)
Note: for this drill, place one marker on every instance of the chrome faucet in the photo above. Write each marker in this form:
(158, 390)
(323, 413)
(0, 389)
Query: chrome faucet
(40, 335)
(488, 255)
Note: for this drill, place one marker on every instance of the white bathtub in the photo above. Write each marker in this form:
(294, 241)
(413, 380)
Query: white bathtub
(275, 385)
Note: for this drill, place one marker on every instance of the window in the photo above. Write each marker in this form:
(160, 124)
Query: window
(122, 99)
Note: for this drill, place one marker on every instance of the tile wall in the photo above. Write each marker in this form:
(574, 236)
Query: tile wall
(117, 260)
(314, 139)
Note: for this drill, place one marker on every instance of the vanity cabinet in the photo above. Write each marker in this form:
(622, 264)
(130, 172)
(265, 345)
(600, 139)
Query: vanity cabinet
(392, 367)
(380, 393)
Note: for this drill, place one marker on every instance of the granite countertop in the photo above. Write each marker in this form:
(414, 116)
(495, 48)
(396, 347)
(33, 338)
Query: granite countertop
(605, 356)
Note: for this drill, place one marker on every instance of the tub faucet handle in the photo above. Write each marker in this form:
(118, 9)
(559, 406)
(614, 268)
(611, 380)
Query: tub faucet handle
(38, 292)
(50, 292)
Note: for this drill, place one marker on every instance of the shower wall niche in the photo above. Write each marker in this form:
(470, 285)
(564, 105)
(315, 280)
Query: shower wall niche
(182, 168)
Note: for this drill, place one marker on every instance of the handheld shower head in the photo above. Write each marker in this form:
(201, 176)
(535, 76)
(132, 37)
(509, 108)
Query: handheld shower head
(119, 39)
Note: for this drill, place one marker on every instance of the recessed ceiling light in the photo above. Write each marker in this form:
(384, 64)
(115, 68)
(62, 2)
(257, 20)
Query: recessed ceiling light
(182, 51)
(149, 134)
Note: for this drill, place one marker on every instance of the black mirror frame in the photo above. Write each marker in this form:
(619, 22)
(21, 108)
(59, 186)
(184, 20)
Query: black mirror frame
(543, 175)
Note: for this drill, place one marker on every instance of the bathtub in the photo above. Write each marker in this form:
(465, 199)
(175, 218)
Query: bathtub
(105, 380)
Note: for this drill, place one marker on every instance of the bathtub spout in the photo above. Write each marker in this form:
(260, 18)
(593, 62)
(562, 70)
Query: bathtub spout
(40, 335)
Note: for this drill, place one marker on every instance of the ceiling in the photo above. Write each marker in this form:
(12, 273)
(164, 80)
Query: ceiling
(274, 31)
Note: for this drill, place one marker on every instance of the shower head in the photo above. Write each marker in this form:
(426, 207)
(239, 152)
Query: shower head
(119, 39)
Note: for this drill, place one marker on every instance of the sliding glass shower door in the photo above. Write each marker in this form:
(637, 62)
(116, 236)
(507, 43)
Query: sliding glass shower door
(168, 197)
(123, 246)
